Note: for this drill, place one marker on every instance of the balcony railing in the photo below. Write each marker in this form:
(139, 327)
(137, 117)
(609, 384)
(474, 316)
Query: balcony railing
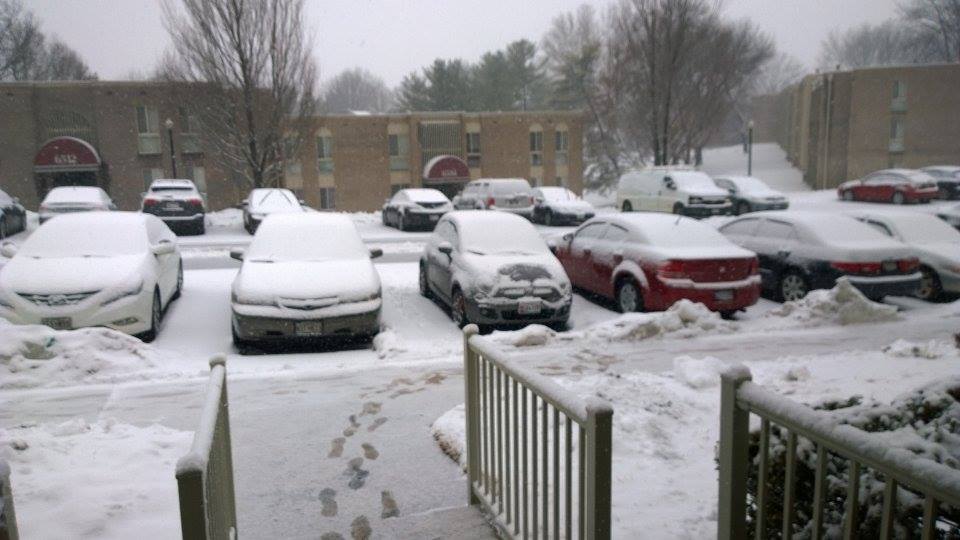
(399, 163)
(522, 463)
(148, 143)
(896, 146)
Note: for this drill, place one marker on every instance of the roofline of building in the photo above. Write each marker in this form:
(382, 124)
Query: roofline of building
(455, 114)
(935, 65)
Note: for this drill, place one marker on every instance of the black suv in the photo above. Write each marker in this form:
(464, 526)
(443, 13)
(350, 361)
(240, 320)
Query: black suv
(178, 203)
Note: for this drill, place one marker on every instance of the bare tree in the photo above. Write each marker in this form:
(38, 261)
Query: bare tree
(779, 72)
(255, 56)
(356, 90)
(886, 44)
(937, 27)
(25, 54)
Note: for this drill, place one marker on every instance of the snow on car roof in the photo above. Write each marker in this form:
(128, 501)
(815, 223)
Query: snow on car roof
(309, 236)
(491, 231)
(916, 227)
(71, 194)
(171, 182)
(668, 229)
(913, 175)
(558, 193)
(829, 228)
(88, 234)
(425, 195)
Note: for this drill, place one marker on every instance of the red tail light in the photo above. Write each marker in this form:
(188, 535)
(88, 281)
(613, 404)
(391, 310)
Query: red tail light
(858, 268)
(908, 266)
(491, 201)
(671, 270)
(195, 202)
(150, 202)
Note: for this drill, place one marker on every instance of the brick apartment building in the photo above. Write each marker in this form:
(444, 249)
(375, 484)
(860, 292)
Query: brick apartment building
(842, 125)
(113, 134)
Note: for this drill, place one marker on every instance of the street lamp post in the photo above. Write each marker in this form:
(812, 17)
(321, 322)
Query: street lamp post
(750, 148)
(173, 155)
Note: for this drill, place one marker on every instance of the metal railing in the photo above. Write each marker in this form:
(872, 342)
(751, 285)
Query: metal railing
(739, 397)
(205, 474)
(8, 518)
(522, 463)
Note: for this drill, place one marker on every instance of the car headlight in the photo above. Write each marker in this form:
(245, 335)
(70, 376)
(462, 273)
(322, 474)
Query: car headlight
(374, 296)
(237, 299)
(124, 293)
(695, 200)
(512, 292)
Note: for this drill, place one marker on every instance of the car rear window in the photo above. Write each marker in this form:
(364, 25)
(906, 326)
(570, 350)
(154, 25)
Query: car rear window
(509, 187)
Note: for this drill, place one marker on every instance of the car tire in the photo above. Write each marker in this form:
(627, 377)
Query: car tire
(201, 228)
(743, 208)
(792, 286)
(548, 218)
(4, 232)
(897, 198)
(383, 217)
(678, 209)
(400, 222)
(847, 195)
(930, 286)
(628, 296)
(627, 207)
(179, 289)
(156, 315)
(458, 309)
(243, 346)
(424, 283)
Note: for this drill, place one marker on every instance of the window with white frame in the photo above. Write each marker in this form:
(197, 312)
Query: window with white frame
(536, 148)
(896, 128)
(899, 90)
(399, 147)
(189, 132)
(327, 198)
(325, 153)
(148, 130)
(473, 149)
(561, 146)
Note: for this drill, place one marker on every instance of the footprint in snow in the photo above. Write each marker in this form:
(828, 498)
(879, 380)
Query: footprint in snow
(358, 475)
(360, 528)
(329, 502)
(390, 508)
(369, 451)
(336, 447)
(377, 423)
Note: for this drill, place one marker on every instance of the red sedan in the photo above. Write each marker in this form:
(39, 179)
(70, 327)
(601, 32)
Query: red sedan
(897, 186)
(648, 261)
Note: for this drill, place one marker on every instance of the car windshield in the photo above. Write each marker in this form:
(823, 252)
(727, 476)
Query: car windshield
(922, 229)
(305, 240)
(181, 189)
(501, 237)
(509, 187)
(749, 184)
(425, 195)
(692, 180)
(273, 199)
(557, 194)
(86, 235)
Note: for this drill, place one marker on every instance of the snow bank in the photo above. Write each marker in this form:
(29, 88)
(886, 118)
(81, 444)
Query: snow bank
(228, 218)
(702, 373)
(843, 304)
(387, 343)
(32, 356)
(930, 350)
(73, 480)
(451, 434)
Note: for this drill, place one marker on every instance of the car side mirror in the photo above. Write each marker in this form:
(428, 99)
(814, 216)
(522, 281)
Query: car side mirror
(567, 237)
(165, 247)
(445, 247)
(376, 253)
(553, 244)
(9, 249)
(237, 253)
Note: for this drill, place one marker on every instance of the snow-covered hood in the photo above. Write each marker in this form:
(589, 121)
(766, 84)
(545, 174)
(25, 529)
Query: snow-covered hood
(69, 275)
(573, 205)
(764, 194)
(491, 272)
(337, 281)
(704, 191)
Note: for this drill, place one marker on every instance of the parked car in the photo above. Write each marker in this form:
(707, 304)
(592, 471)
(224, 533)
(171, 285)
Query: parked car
(646, 262)
(415, 207)
(493, 268)
(70, 199)
(897, 186)
(947, 178)
(305, 276)
(178, 203)
(802, 251)
(750, 194)
(263, 202)
(13, 216)
(559, 205)
(674, 190)
(512, 195)
(936, 243)
(951, 215)
(115, 269)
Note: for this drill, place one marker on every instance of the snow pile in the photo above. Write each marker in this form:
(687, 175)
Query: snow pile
(930, 350)
(684, 318)
(843, 304)
(32, 356)
(535, 335)
(72, 480)
(388, 342)
(228, 218)
(451, 434)
(703, 373)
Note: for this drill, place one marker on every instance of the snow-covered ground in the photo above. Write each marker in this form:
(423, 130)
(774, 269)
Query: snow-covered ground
(92, 421)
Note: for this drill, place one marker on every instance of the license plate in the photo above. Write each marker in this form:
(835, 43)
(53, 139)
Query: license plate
(889, 266)
(172, 206)
(309, 328)
(724, 295)
(529, 307)
(434, 218)
(58, 323)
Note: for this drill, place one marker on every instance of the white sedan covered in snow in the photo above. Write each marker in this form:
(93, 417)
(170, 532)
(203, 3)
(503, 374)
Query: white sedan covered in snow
(113, 269)
(305, 276)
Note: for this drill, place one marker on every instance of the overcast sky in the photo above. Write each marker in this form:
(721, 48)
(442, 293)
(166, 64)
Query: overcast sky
(393, 37)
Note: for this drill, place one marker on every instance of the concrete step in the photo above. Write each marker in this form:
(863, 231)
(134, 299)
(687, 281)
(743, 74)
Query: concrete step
(460, 522)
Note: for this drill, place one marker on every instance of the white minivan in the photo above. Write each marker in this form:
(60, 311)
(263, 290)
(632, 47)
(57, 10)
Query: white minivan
(669, 189)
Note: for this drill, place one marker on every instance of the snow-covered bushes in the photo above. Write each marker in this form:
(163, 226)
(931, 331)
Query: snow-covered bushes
(925, 422)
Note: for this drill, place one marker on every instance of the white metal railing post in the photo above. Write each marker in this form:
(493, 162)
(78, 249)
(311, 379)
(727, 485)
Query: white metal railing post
(8, 518)
(734, 456)
(598, 476)
(471, 412)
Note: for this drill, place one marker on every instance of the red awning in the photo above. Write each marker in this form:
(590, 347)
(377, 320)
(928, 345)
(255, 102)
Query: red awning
(442, 169)
(66, 154)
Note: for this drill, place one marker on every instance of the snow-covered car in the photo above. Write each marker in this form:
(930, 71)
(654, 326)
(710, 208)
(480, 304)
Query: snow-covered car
(802, 251)
(178, 203)
(115, 269)
(935, 243)
(897, 186)
(13, 216)
(751, 194)
(263, 202)
(415, 207)
(71, 199)
(558, 205)
(677, 190)
(512, 195)
(305, 276)
(951, 215)
(493, 268)
(649, 261)
(947, 178)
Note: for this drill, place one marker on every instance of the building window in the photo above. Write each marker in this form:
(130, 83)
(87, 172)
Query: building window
(325, 154)
(899, 90)
(561, 145)
(149, 175)
(199, 176)
(561, 182)
(399, 151)
(394, 188)
(473, 150)
(189, 132)
(896, 134)
(148, 130)
(536, 148)
(327, 198)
